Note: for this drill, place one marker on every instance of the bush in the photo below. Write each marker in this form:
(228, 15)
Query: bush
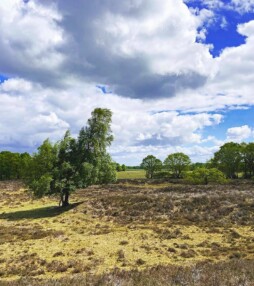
(162, 175)
(205, 176)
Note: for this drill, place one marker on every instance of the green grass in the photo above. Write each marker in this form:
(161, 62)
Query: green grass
(131, 174)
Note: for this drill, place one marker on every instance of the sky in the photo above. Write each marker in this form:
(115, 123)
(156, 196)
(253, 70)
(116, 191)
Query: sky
(178, 75)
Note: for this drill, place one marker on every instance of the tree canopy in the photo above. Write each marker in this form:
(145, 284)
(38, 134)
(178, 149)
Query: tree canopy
(228, 159)
(58, 169)
(12, 165)
(151, 164)
(177, 163)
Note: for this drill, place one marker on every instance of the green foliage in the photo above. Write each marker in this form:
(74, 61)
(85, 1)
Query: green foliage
(133, 168)
(247, 166)
(11, 165)
(196, 165)
(118, 167)
(205, 176)
(107, 172)
(151, 164)
(228, 159)
(74, 163)
(177, 163)
(234, 158)
(43, 161)
(41, 186)
(38, 171)
(162, 175)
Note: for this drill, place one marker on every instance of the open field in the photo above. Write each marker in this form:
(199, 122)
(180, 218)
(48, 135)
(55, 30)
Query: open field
(130, 233)
(131, 174)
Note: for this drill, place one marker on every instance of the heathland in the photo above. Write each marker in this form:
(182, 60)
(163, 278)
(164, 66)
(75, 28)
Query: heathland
(133, 232)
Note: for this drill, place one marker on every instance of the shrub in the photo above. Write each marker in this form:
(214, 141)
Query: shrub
(205, 176)
(162, 175)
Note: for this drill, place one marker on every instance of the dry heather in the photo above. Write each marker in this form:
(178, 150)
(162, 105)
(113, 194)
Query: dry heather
(130, 233)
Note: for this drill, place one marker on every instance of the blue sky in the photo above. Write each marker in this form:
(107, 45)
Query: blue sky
(3, 78)
(222, 32)
(177, 74)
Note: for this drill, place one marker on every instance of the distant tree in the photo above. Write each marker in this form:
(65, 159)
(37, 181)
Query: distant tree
(133, 167)
(228, 159)
(196, 165)
(61, 168)
(151, 164)
(118, 167)
(9, 165)
(247, 152)
(177, 163)
(12, 164)
(204, 176)
(210, 164)
(123, 168)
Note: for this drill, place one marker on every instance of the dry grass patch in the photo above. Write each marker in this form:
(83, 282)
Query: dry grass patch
(127, 226)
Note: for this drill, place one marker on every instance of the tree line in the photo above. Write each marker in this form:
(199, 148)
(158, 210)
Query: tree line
(62, 167)
(12, 165)
(231, 161)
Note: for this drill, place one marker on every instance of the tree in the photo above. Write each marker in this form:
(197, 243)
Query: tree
(118, 167)
(24, 162)
(177, 163)
(247, 151)
(123, 168)
(12, 165)
(9, 165)
(93, 145)
(204, 176)
(151, 164)
(228, 159)
(39, 170)
(61, 168)
(196, 165)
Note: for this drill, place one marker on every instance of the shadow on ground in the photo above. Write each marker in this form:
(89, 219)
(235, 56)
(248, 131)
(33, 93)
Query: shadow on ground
(45, 212)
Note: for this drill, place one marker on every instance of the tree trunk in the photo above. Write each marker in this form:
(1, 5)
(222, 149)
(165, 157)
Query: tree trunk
(64, 198)
(61, 200)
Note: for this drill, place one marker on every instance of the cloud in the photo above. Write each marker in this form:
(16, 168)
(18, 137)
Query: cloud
(140, 49)
(240, 6)
(35, 113)
(243, 6)
(239, 134)
(165, 88)
(29, 40)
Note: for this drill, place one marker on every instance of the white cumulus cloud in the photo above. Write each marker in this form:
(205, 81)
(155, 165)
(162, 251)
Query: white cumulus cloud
(166, 88)
(239, 134)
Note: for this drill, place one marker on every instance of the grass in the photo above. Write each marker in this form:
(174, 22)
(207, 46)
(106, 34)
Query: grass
(131, 174)
(136, 232)
(37, 213)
